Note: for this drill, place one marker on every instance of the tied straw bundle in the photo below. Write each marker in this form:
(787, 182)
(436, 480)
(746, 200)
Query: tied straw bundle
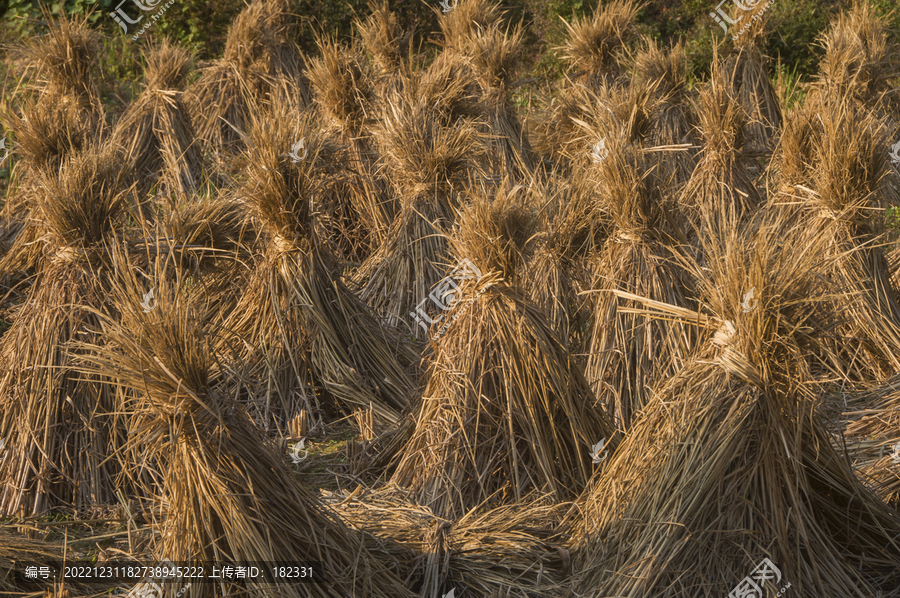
(729, 463)
(505, 410)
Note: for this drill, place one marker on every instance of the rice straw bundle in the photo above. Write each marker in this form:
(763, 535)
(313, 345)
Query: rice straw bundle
(628, 355)
(594, 118)
(729, 464)
(389, 46)
(594, 45)
(298, 315)
(794, 155)
(746, 69)
(57, 119)
(259, 52)
(427, 162)
(861, 59)
(46, 135)
(65, 59)
(492, 54)
(156, 131)
(448, 84)
(226, 496)
(343, 94)
(508, 551)
(672, 119)
(848, 182)
(574, 228)
(466, 19)
(721, 192)
(505, 410)
(60, 427)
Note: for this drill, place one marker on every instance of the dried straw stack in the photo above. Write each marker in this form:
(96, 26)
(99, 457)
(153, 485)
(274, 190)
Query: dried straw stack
(849, 167)
(729, 464)
(298, 315)
(388, 45)
(427, 159)
(628, 355)
(156, 130)
(573, 229)
(746, 70)
(861, 60)
(505, 410)
(65, 59)
(345, 96)
(260, 57)
(467, 19)
(60, 427)
(721, 192)
(595, 45)
(510, 551)
(672, 118)
(226, 496)
(492, 54)
(61, 113)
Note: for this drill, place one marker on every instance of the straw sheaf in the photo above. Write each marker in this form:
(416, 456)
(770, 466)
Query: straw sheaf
(497, 230)
(848, 180)
(449, 85)
(262, 35)
(505, 411)
(224, 490)
(745, 395)
(48, 132)
(594, 44)
(156, 130)
(81, 206)
(207, 232)
(61, 428)
(341, 86)
(860, 57)
(629, 355)
(65, 59)
(664, 69)
(388, 44)
(610, 115)
(279, 186)
(260, 56)
(425, 159)
(508, 551)
(750, 84)
(469, 17)
(572, 229)
(721, 191)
